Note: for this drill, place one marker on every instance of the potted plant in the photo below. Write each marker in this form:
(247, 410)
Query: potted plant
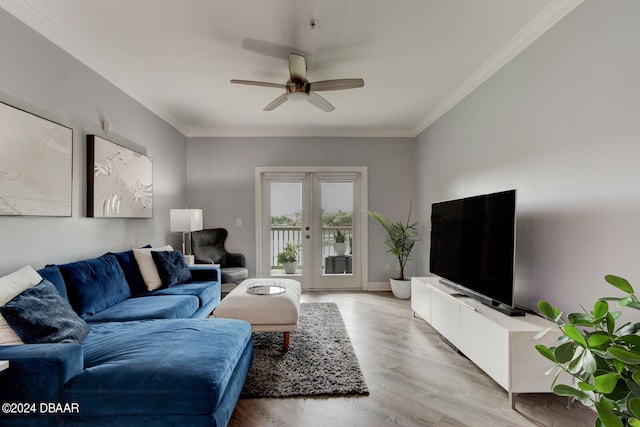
(601, 356)
(400, 240)
(339, 242)
(288, 258)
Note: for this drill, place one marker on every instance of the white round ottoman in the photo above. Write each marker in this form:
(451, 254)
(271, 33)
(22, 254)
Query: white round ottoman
(266, 313)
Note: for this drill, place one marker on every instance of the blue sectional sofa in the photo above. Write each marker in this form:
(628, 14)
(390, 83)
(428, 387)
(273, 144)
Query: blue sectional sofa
(151, 358)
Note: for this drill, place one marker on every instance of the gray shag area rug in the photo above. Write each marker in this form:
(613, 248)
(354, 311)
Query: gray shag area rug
(320, 360)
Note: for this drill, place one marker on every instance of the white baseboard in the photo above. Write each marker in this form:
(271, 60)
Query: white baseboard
(378, 286)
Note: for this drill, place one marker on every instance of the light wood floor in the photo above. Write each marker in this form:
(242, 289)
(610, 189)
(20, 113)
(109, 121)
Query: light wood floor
(414, 379)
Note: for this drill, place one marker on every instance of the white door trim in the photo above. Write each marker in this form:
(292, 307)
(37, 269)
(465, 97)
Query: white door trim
(362, 170)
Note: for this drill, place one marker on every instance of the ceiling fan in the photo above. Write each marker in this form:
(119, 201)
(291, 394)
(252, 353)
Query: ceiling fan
(299, 88)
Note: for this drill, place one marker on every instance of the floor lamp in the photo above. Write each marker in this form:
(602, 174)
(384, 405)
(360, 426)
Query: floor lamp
(186, 221)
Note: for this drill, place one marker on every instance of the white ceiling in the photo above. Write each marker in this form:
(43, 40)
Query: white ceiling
(418, 58)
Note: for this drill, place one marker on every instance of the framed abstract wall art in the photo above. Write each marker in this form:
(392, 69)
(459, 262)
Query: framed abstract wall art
(119, 181)
(36, 165)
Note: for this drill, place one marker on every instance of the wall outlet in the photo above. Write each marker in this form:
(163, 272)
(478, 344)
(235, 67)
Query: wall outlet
(238, 222)
(387, 267)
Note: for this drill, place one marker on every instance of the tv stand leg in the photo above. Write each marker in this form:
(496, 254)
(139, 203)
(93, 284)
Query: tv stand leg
(512, 400)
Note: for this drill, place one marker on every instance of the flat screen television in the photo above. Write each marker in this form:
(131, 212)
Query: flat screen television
(473, 246)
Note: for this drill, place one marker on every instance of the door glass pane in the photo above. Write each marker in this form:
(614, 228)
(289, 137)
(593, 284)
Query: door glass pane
(337, 227)
(286, 228)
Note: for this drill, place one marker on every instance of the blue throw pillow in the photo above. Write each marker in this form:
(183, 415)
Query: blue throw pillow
(131, 271)
(172, 267)
(52, 273)
(95, 284)
(40, 315)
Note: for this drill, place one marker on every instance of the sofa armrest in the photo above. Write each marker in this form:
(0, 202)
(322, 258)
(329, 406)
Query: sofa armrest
(205, 272)
(37, 372)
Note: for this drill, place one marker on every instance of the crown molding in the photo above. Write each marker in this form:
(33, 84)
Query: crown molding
(546, 19)
(300, 133)
(29, 15)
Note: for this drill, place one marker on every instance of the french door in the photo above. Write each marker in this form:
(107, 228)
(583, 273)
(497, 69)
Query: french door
(319, 213)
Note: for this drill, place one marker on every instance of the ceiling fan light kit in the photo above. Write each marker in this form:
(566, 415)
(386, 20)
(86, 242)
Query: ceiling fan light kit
(297, 96)
(298, 88)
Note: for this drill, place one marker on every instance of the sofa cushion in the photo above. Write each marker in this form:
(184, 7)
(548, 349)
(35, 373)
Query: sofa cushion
(172, 267)
(39, 315)
(52, 273)
(179, 366)
(95, 284)
(205, 291)
(143, 308)
(131, 271)
(148, 268)
(11, 285)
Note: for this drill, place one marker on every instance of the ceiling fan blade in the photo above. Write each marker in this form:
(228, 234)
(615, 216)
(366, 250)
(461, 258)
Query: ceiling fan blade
(272, 50)
(265, 84)
(320, 102)
(297, 68)
(276, 102)
(336, 84)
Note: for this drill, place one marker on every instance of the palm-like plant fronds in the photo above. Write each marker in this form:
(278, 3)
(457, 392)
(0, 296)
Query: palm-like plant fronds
(401, 237)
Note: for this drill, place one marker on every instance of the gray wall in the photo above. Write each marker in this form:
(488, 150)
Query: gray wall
(561, 124)
(221, 181)
(39, 77)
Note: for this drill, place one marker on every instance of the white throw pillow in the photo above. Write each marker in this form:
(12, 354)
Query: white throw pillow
(148, 268)
(11, 285)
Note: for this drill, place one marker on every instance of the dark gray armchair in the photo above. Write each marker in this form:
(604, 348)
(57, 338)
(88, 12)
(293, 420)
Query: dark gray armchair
(208, 248)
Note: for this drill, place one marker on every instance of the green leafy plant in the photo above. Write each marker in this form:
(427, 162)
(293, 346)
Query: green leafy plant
(289, 253)
(401, 237)
(339, 236)
(602, 357)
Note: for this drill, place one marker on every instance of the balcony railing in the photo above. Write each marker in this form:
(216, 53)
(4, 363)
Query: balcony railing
(283, 234)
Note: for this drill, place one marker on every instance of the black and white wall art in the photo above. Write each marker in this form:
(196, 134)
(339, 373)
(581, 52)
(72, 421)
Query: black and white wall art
(120, 181)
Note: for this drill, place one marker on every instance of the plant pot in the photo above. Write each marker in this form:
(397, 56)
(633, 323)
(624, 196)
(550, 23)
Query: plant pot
(290, 267)
(340, 248)
(401, 288)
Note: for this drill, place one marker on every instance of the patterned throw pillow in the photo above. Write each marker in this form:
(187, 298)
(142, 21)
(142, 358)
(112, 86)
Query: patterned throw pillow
(40, 315)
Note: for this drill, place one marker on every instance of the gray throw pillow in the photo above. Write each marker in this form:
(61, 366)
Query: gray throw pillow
(40, 315)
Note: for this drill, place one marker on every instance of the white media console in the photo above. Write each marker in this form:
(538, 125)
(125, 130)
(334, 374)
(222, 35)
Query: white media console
(502, 346)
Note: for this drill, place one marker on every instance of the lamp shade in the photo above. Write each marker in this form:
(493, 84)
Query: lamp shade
(185, 219)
